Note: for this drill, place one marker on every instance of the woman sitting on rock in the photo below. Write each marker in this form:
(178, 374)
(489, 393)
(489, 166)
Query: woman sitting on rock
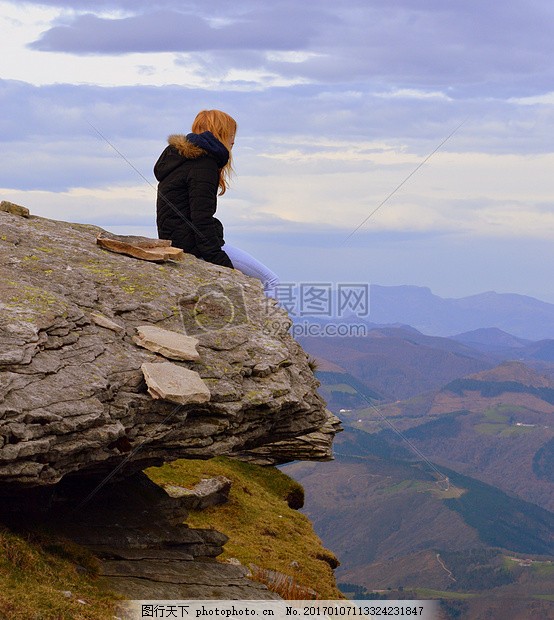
(190, 171)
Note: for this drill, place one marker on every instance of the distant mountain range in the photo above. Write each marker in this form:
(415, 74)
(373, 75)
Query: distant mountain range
(457, 402)
(501, 345)
(400, 362)
(524, 317)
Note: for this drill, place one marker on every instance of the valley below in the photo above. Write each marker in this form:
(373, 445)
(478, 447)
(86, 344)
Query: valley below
(442, 483)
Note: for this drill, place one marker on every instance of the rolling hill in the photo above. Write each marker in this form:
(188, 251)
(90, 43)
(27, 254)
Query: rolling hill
(397, 362)
(396, 528)
(496, 425)
(483, 545)
(442, 483)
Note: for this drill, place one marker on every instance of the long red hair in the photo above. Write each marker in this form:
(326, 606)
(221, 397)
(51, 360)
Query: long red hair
(224, 128)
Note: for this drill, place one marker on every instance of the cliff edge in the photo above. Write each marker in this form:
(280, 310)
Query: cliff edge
(73, 397)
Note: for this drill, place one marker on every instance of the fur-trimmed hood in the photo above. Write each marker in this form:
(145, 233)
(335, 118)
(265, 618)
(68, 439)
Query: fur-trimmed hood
(185, 148)
(191, 146)
(195, 145)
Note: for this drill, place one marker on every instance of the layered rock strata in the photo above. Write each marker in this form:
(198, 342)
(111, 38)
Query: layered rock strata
(144, 548)
(73, 399)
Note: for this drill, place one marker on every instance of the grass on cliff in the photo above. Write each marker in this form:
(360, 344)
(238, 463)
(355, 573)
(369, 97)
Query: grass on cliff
(47, 578)
(261, 527)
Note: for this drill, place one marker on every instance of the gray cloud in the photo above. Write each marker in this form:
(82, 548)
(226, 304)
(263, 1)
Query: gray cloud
(172, 31)
(52, 145)
(222, 7)
(467, 49)
(103, 5)
(464, 48)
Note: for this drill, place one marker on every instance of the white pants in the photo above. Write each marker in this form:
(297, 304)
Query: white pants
(250, 266)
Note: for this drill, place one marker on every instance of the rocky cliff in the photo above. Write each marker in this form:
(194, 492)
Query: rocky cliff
(73, 397)
(110, 364)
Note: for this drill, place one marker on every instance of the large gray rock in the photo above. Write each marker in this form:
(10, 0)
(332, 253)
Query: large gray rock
(208, 492)
(72, 394)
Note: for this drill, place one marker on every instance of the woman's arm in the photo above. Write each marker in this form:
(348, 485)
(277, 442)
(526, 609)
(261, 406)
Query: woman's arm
(202, 183)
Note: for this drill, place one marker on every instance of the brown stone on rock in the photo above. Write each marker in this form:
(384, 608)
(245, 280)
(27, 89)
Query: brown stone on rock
(143, 248)
(174, 383)
(11, 207)
(137, 240)
(168, 343)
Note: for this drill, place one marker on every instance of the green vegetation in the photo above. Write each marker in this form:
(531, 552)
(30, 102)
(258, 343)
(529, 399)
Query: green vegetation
(45, 577)
(453, 605)
(512, 431)
(503, 412)
(490, 429)
(340, 387)
(401, 486)
(499, 421)
(446, 425)
(501, 520)
(329, 379)
(544, 569)
(355, 591)
(496, 388)
(454, 609)
(261, 527)
(543, 462)
(382, 445)
(428, 593)
(417, 486)
(477, 569)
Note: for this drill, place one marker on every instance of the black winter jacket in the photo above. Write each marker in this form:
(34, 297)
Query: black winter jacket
(188, 175)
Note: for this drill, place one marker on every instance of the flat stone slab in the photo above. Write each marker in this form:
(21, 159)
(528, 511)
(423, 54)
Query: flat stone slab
(172, 571)
(163, 554)
(138, 588)
(175, 384)
(170, 344)
(132, 538)
(156, 250)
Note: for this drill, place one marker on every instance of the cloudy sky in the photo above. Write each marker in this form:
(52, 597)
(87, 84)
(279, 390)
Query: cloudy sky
(337, 105)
